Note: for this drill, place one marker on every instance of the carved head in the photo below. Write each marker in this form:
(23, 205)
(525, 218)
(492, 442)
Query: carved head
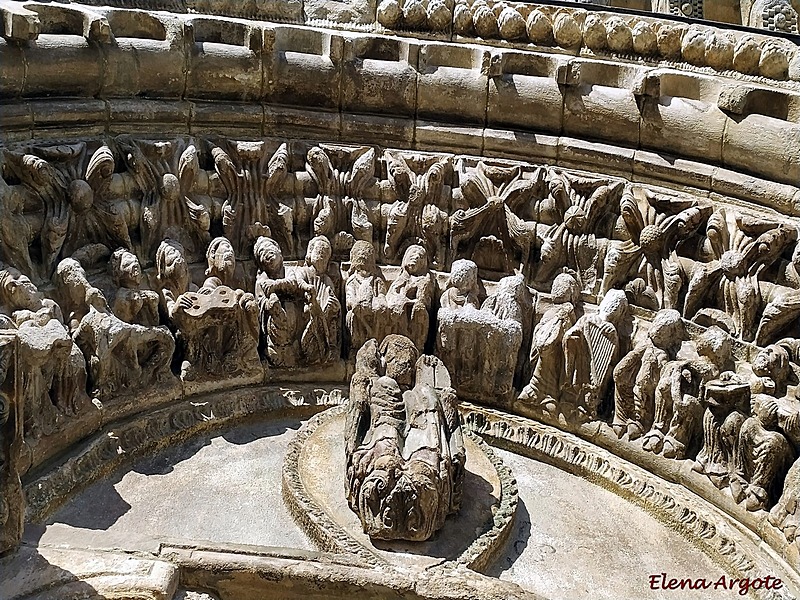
(125, 269)
(512, 286)
(766, 410)
(464, 275)
(714, 344)
(368, 359)
(18, 293)
(773, 362)
(667, 331)
(401, 500)
(170, 187)
(362, 257)
(400, 357)
(268, 256)
(614, 306)
(221, 259)
(81, 196)
(415, 260)
(171, 267)
(565, 288)
(318, 253)
(575, 219)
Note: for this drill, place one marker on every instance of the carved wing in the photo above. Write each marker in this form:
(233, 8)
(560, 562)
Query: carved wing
(225, 169)
(100, 171)
(319, 167)
(188, 168)
(361, 173)
(277, 169)
(401, 177)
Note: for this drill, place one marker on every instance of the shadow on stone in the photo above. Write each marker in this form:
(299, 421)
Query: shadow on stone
(516, 544)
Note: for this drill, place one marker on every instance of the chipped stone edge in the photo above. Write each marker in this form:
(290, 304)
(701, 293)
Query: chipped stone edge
(331, 537)
(675, 509)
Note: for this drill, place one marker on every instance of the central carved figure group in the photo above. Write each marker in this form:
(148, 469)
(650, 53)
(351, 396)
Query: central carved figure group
(404, 446)
(570, 298)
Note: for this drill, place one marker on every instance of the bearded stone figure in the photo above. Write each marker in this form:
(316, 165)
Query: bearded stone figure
(404, 446)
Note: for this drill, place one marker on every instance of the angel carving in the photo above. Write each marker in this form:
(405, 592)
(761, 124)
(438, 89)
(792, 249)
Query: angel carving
(580, 205)
(342, 176)
(166, 211)
(729, 286)
(76, 199)
(16, 232)
(415, 217)
(253, 181)
(653, 224)
(490, 232)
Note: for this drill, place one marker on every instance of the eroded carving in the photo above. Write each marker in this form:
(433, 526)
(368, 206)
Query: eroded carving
(404, 446)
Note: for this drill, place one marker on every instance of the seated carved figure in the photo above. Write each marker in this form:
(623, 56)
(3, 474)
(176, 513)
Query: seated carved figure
(763, 456)
(365, 292)
(52, 366)
(591, 347)
(172, 272)
(637, 374)
(458, 308)
(492, 331)
(677, 422)
(504, 313)
(410, 296)
(320, 325)
(726, 400)
(547, 355)
(283, 302)
(119, 355)
(131, 303)
(404, 447)
(218, 325)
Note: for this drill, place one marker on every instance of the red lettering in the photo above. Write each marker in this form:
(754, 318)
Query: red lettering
(654, 581)
(672, 585)
(744, 585)
(721, 582)
(778, 584)
(757, 583)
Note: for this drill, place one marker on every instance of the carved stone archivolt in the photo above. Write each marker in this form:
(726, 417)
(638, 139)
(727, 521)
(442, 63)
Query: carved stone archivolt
(139, 270)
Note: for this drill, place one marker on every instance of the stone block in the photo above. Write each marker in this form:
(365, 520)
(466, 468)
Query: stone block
(684, 127)
(303, 67)
(601, 112)
(537, 147)
(374, 128)
(224, 60)
(379, 76)
(77, 72)
(581, 154)
(156, 116)
(147, 58)
(764, 145)
(443, 138)
(452, 84)
(525, 94)
(12, 73)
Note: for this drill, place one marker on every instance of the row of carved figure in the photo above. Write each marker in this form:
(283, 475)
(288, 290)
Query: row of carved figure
(677, 395)
(97, 324)
(715, 264)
